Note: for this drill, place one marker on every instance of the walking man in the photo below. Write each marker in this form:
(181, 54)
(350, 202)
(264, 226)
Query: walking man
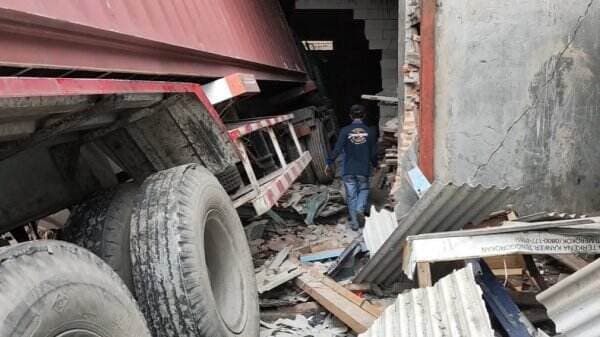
(358, 143)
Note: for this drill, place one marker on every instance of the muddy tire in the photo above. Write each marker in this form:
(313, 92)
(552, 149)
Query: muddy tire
(318, 147)
(102, 225)
(54, 288)
(230, 179)
(193, 271)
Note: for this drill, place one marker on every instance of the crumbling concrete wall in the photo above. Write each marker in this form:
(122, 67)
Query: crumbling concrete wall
(518, 98)
(381, 29)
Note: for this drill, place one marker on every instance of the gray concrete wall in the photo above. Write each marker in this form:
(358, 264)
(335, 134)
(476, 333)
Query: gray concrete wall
(381, 29)
(518, 96)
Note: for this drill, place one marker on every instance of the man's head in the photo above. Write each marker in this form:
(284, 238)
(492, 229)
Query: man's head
(357, 111)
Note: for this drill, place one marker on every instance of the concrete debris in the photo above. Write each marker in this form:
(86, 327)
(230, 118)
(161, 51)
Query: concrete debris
(277, 272)
(314, 205)
(345, 265)
(453, 307)
(303, 327)
(312, 202)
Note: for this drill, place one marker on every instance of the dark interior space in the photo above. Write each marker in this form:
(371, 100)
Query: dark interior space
(347, 71)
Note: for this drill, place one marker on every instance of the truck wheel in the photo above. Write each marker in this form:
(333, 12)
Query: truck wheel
(193, 272)
(56, 289)
(102, 225)
(318, 147)
(230, 179)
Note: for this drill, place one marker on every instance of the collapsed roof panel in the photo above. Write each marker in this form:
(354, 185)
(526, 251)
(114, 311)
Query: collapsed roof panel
(573, 302)
(444, 207)
(453, 307)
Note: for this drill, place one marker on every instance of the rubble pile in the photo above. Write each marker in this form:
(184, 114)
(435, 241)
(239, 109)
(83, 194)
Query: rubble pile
(303, 326)
(310, 267)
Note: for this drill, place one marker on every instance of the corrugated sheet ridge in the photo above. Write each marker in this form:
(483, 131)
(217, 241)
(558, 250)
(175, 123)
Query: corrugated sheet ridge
(442, 208)
(573, 302)
(453, 307)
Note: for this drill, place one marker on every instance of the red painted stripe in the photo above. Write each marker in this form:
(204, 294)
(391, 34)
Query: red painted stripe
(26, 87)
(427, 114)
(270, 198)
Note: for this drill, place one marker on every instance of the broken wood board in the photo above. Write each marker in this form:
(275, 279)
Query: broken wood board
(507, 272)
(357, 313)
(462, 245)
(382, 99)
(306, 309)
(279, 258)
(424, 274)
(267, 280)
(571, 261)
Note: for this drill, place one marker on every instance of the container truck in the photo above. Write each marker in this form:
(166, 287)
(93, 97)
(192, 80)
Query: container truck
(115, 110)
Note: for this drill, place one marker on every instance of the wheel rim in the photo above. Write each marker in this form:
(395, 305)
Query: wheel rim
(225, 273)
(78, 333)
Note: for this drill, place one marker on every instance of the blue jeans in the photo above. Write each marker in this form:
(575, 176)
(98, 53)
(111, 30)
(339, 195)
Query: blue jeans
(357, 194)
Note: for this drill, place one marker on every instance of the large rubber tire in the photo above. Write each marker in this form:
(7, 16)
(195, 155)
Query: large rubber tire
(318, 147)
(230, 179)
(54, 288)
(102, 225)
(193, 272)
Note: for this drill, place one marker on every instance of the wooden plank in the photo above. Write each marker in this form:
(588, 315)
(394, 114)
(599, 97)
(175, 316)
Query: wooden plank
(424, 274)
(534, 272)
(268, 279)
(280, 257)
(505, 261)
(359, 301)
(507, 272)
(571, 261)
(344, 307)
(358, 287)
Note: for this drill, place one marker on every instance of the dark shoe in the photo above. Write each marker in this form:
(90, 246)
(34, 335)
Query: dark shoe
(361, 219)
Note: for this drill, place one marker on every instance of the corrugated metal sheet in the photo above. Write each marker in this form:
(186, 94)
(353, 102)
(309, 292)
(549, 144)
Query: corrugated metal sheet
(454, 307)
(573, 303)
(444, 207)
(185, 37)
(378, 227)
